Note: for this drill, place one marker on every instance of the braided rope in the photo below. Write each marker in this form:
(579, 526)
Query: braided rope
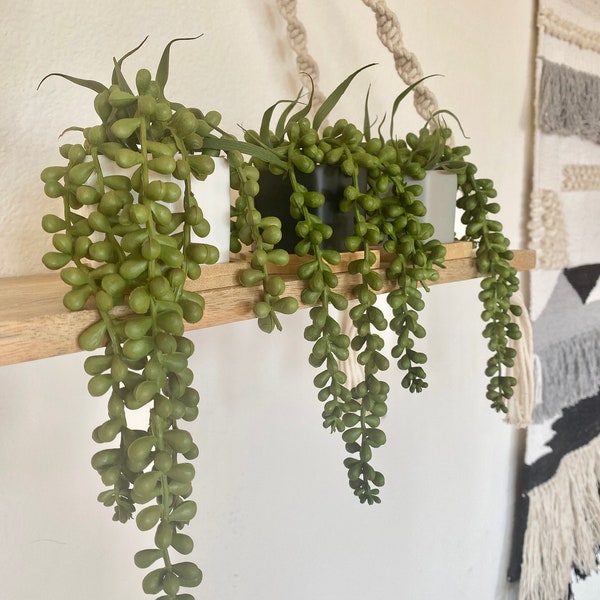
(406, 63)
(298, 41)
(390, 34)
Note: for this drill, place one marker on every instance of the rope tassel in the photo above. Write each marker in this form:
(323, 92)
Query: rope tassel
(526, 371)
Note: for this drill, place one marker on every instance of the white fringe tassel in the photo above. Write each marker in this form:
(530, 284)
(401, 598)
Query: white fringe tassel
(520, 406)
(563, 527)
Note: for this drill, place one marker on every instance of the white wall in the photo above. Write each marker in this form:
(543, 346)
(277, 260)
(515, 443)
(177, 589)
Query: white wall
(276, 518)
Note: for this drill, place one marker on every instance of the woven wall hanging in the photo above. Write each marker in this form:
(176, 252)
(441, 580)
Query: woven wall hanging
(558, 518)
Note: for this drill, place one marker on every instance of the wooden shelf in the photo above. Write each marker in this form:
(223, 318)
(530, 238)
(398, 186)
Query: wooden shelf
(34, 323)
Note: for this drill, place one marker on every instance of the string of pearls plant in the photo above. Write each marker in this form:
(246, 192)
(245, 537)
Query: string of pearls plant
(120, 245)
(386, 215)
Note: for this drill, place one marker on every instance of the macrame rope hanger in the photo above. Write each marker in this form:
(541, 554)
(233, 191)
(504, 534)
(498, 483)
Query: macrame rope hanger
(520, 406)
(388, 30)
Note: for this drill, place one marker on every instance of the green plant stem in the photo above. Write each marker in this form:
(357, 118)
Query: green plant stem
(187, 204)
(158, 430)
(259, 246)
(156, 422)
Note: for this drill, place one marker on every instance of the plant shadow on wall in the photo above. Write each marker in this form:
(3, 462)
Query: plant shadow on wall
(133, 232)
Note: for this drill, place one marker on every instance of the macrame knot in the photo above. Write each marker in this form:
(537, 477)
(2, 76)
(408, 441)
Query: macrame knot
(389, 32)
(387, 24)
(425, 101)
(287, 8)
(405, 62)
(298, 41)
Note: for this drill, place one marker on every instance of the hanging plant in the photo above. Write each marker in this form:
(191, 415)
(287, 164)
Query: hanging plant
(123, 249)
(499, 283)
(430, 150)
(388, 216)
(385, 211)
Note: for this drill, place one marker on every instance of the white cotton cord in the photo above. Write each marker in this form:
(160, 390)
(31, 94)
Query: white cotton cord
(390, 34)
(406, 63)
(353, 370)
(521, 404)
(297, 38)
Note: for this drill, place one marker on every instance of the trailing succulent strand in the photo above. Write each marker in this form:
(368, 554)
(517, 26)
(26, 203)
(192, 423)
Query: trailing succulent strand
(413, 252)
(369, 395)
(250, 229)
(121, 245)
(499, 281)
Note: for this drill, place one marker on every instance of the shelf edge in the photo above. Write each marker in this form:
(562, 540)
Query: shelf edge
(34, 323)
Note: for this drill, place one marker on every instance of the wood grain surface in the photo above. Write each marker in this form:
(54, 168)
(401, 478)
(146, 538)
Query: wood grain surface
(34, 323)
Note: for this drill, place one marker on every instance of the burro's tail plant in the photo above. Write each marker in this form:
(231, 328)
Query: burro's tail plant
(122, 248)
(389, 220)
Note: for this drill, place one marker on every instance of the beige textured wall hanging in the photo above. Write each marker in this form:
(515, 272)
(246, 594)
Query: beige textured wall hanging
(558, 520)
